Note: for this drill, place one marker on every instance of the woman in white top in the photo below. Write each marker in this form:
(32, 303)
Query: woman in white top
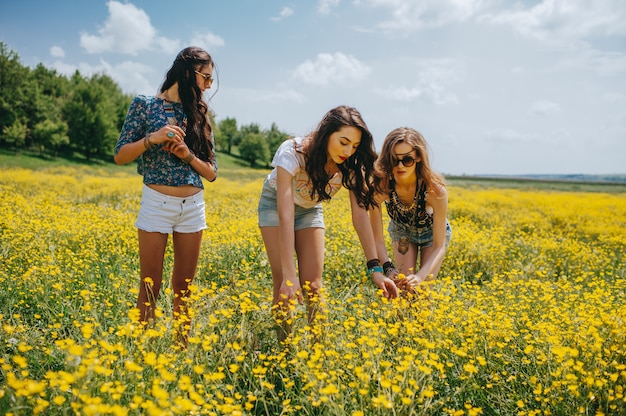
(308, 171)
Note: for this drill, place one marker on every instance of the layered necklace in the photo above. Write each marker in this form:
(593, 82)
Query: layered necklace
(168, 106)
(404, 213)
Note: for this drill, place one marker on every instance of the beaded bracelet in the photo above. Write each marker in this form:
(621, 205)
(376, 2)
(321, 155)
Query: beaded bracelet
(388, 266)
(373, 263)
(189, 158)
(374, 269)
(147, 143)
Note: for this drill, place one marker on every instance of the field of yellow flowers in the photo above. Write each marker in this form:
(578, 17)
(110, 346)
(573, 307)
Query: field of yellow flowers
(527, 316)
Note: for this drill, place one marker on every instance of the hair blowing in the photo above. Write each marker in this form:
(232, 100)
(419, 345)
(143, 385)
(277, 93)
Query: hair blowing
(422, 168)
(356, 171)
(182, 71)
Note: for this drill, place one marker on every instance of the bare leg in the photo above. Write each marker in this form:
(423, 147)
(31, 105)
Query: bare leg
(281, 311)
(310, 251)
(151, 253)
(186, 253)
(309, 246)
(426, 252)
(406, 263)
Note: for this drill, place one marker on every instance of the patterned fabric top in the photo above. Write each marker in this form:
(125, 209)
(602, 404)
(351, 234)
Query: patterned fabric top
(145, 115)
(414, 216)
(288, 158)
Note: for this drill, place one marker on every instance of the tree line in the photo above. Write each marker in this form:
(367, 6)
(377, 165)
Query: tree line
(54, 115)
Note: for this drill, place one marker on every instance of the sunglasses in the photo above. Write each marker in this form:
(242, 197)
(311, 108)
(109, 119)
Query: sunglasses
(407, 161)
(208, 78)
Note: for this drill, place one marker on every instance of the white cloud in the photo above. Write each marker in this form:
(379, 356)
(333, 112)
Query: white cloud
(127, 30)
(133, 77)
(557, 20)
(208, 41)
(432, 81)
(328, 69)
(57, 52)
(544, 108)
(284, 13)
(409, 15)
(548, 20)
(167, 46)
(64, 68)
(324, 6)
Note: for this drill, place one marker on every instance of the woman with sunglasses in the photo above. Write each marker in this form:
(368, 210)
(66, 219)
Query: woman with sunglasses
(417, 202)
(171, 138)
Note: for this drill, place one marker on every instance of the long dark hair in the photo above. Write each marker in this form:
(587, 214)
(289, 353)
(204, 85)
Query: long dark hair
(182, 71)
(357, 170)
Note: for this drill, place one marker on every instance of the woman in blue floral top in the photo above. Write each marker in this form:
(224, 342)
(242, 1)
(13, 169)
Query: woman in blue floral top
(171, 138)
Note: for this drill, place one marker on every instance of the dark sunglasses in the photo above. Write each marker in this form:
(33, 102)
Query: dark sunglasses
(208, 78)
(407, 161)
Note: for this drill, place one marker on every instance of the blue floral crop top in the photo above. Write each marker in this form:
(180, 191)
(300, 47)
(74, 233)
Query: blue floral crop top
(159, 167)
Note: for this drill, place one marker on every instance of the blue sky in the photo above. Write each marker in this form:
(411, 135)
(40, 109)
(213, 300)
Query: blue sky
(496, 87)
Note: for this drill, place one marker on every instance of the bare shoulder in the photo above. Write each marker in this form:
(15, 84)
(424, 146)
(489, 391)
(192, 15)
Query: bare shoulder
(381, 197)
(439, 192)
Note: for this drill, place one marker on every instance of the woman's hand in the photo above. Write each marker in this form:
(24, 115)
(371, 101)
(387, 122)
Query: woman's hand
(290, 290)
(410, 282)
(179, 149)
(168, 135)
(389, 288)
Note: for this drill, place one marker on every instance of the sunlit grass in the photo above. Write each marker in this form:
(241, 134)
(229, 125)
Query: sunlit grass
(527, 317)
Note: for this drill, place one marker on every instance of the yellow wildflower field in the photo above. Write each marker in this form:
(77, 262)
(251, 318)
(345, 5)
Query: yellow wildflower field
(526, 317)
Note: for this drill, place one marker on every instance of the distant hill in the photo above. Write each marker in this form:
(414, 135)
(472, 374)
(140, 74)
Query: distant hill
(614, 178)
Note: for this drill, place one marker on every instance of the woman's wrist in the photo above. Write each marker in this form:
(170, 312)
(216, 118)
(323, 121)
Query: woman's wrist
(190, 157)
(389, 267)
(373, 266)
(147, 143)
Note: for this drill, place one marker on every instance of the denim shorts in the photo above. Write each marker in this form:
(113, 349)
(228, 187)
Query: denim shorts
(166, 214)
(422, 237)
(303, 217)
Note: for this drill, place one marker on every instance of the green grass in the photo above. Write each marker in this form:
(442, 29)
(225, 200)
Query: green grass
(230, 167)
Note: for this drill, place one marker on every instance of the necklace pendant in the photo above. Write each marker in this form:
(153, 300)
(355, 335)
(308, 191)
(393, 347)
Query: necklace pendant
(403, 245)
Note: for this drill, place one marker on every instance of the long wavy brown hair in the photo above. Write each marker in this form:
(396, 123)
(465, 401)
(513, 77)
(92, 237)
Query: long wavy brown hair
(384, 164)
(357, 171)
(198, 135)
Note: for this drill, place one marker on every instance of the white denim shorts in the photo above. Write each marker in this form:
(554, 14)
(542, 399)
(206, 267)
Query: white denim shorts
(166, 214)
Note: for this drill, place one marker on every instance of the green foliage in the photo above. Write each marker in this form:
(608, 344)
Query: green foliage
(227, 133)
(254, 148)
(275, 137)
(45, 112)
(50, 135)
(15, 134)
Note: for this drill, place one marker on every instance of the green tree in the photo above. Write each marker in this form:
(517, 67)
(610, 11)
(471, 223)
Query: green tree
(12, 77)
(227, 134)
(94, 115)
(48, 130)
(253, 148)
(274, 138)
(50, 136)
(15, 134)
